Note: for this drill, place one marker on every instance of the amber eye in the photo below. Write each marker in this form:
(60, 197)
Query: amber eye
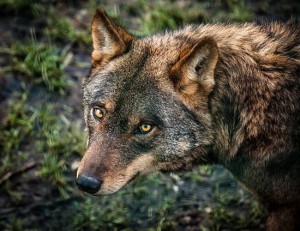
(98, 113)
(145, 128)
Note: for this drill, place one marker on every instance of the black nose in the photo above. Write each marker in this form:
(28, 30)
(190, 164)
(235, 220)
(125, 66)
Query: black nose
(88, 184)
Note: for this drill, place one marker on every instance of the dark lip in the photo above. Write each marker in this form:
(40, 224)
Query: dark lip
(96, 195)
(134, 177)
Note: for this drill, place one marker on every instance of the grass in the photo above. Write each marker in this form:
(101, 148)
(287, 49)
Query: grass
(223, 213)
(62, 30)
(162, 15)
(135, 206)
(28, 8)
(239, 11)
(40, 124)
(17, 126)
(58, 139)
(40, 63)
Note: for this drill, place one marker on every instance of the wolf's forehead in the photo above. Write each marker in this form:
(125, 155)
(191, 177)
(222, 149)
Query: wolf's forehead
(137, 72)
(162, 51)
(121, 86)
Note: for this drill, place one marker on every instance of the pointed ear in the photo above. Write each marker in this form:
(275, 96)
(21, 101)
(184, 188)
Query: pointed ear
(194, 71)
(109, 39)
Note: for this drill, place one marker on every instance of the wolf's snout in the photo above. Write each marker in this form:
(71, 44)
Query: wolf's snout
(88, 184)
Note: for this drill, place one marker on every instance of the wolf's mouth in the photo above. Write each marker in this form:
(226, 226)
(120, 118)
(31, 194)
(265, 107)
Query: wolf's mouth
(134, 177)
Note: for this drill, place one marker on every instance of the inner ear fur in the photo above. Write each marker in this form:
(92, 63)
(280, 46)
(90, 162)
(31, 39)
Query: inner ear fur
(109, 39)
(195, 68)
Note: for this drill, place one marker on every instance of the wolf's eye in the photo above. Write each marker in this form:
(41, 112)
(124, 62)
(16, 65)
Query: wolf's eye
(145, 128)
(98, 113)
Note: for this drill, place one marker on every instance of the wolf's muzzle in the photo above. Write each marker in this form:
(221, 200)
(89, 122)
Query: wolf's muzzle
(88, 184)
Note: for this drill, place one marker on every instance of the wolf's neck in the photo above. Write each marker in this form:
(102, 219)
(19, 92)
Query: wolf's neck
(239, 99)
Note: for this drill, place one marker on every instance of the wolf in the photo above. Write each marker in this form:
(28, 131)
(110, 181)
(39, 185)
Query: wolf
(223, 94)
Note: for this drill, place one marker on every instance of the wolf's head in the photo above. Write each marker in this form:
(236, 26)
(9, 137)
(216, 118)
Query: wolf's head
(145, 105)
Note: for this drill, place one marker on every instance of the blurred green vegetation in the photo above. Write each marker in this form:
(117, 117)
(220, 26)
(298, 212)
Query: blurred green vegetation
(44, 54)
(40, 63)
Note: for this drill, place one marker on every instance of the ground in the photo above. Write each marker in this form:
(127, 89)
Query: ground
(44, 55)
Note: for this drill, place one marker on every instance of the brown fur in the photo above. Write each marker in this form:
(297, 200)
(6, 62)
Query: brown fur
(226, 94)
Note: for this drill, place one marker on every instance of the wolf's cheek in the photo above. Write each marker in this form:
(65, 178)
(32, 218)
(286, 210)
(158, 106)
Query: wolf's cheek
(109, 170)
(181, 151)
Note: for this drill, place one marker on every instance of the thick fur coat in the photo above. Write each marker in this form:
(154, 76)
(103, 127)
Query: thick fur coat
(224, 93)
